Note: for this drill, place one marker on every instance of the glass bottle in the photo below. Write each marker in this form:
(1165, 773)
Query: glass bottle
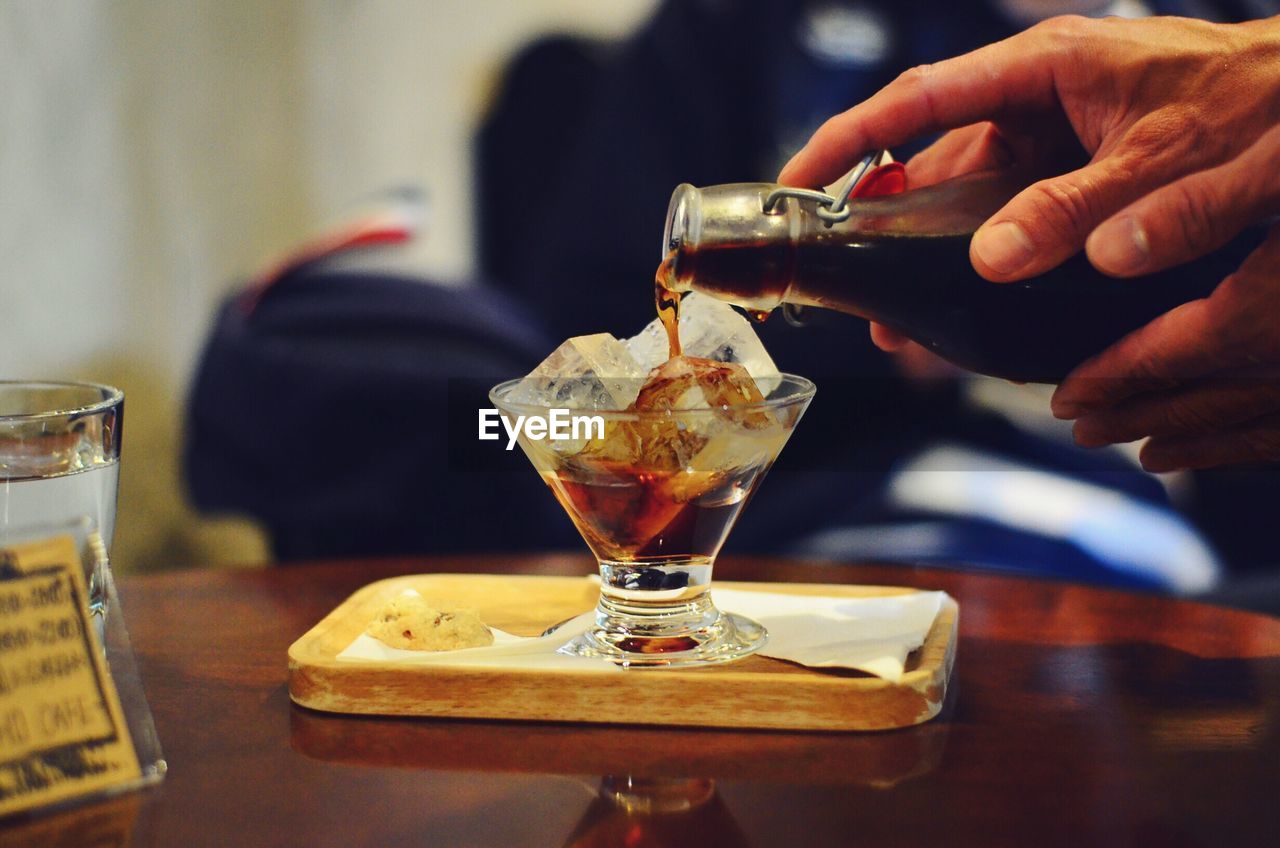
(903, 261)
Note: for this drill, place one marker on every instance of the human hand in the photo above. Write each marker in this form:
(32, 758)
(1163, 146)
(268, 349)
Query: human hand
(1179, 125)
(1145, 103)
(977, 147)
(1202, 380)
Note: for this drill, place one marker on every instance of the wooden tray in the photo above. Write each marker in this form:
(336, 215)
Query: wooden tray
(756, 692)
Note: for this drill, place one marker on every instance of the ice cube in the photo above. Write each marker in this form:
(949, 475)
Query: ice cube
(737, 450)
(727, 435)
(621, 443)
(689, 382)
(586, 372)
(709, 329)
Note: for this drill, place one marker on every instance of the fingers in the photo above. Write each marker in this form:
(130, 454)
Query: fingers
(921, 365)
(1014, 73)
(1255, 442)
(913, 360)
(1156, 357)
(886, 339)
(1233, 328)
(1050, 220)
(1212, 406)
(977, 147)
(1192, 216)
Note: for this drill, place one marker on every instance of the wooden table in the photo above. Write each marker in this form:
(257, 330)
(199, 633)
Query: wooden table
(1078, 717)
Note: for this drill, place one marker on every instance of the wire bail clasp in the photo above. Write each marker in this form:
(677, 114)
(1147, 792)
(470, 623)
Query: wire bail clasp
(831, 209)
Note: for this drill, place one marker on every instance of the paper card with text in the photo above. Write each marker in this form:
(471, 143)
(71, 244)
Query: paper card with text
(62, 730)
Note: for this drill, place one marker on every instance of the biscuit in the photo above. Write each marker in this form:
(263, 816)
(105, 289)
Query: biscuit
(409, 623)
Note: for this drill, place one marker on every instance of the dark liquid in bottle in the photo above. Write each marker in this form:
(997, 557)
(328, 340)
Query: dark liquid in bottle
(925, 287)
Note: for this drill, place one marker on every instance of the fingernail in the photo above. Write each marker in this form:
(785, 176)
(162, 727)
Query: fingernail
(1004, 247)
(1089, 433)
(1063, 405)
(1119, 247)
(1065, 409)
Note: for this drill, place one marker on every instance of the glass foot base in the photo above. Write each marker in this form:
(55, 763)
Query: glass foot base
(722, 637)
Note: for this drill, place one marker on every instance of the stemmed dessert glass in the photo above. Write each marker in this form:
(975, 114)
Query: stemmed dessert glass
(655, 495)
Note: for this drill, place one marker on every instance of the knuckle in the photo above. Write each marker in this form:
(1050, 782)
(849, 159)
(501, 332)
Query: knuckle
(918, 81)
(1173, 137)
(1188, 126)
(1192, 209)
(1184, 416)
(915, 76)
(1062, 27)
(1147, 363)
(1147, 369)
(1064, 38)
(1065, 207)
(1196, 135)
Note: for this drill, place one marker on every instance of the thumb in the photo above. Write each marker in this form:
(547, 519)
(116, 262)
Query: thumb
(1046, 223)
(1049, 221)
(1191, 216)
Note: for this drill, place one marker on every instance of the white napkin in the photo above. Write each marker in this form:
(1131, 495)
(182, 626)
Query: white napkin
(874, 635)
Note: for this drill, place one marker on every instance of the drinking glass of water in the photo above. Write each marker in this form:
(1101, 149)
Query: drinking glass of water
(59, 467)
